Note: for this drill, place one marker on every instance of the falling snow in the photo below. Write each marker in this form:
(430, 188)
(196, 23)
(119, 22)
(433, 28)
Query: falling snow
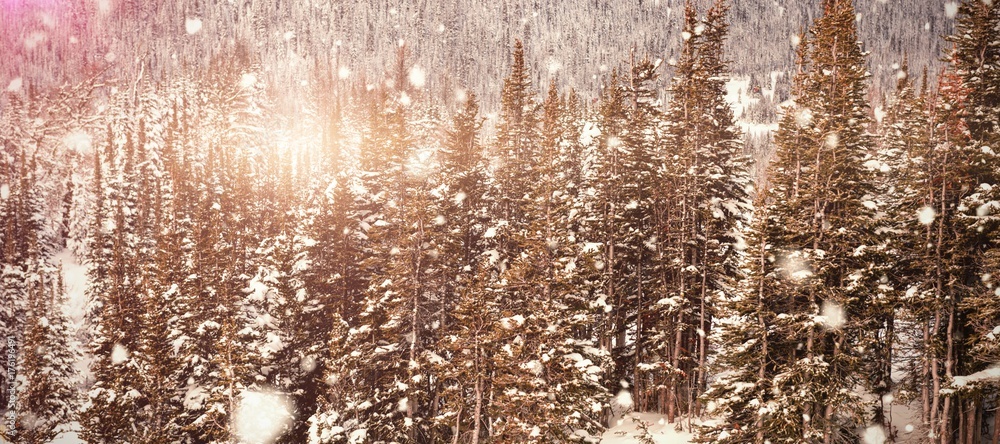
(261, 417)
(417, 77)
(926, 215)
(951, 9)
(832, 315)
(15, 85)
(192, 25)
(119, 354)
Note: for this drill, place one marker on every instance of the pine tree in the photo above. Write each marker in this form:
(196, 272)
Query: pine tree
(642, 159)
(977, 49)
(472, 346)
(33, 321)
(210, 336)
(821, 229)
(328, 285)
(517, 134)
(115, 311)
(12, 280)
(161, 269)
(396, 322)
(208, 242)
(753, 338)
(968, 135)
(46, 394)
(625, 202)
(946, 255)
(710, 181)
(550, 386)
(899, 313)
(12, 273)
(464, 173)
(469, 311)
(167, 280)
(606, 208)
(335, 273)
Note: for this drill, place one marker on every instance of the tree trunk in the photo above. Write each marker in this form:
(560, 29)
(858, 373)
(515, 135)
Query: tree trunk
(972, 421)
(925, 389)
(996, 427)
(477, 414)
(679, 324)
(949, 363)
(702, 336)
(458, 427)
(936, 378)
(762, 324)
(415, 315)
(828, 432)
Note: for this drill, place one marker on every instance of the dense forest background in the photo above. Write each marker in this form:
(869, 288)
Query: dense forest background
(464, 43)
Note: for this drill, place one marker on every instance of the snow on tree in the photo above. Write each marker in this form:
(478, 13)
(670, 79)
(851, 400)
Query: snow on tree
(549, 385)
(115, 307)
(819, 234)
(704, 202)
(46, 392)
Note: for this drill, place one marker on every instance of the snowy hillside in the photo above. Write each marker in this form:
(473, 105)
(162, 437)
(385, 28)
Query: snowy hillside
(465, 42)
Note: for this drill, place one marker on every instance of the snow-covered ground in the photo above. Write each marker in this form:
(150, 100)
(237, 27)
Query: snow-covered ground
(628, 429)
(906, 423)
(70, 437)
(739, 99)
(75, 281)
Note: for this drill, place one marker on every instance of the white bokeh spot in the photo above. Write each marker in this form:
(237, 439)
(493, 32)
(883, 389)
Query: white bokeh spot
(926, 215)
(417, 77)
(262, 417)
(192, 25)
(119, 354)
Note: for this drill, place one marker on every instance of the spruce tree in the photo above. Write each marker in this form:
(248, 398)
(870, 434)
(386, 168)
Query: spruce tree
(395, 323)
(707, 189)
(977, 49)
(46, 392)
(115, 309)
(969, 135)
(35, 327)
(517, 134)
(330, 287)
(821, 231)
(470, 349)
(12, 273)
(469, 307)
(626, 166)
(550, 386)
(606, 211)
(336, 274)
(162, 268)
(903, 141)
(752, 339)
